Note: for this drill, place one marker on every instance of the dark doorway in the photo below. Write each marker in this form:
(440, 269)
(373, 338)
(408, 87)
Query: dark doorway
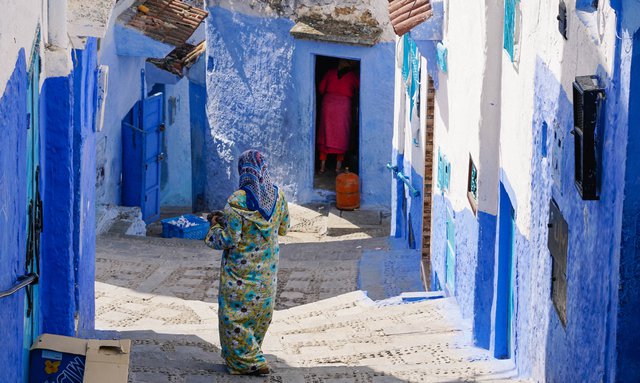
(324, 64)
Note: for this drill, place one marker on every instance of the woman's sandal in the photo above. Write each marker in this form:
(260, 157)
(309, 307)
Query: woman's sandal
(261, 371)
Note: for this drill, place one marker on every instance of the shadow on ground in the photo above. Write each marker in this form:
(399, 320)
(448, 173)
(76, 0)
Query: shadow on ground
(182, 358)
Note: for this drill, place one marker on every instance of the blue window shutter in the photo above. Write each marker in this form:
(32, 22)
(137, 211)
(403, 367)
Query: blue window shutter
(447, 173)
(509, 26)
(441, 51)
(440, 171)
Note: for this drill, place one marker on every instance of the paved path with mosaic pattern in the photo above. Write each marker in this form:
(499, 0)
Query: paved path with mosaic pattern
(162, 293)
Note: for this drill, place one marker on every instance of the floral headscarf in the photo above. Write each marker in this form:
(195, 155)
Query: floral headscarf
(262, 194)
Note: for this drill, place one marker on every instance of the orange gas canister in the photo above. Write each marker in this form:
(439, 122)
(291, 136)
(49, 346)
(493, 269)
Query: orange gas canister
(347, 191)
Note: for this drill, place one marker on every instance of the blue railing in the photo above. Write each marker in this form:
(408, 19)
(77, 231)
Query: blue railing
(402, 177)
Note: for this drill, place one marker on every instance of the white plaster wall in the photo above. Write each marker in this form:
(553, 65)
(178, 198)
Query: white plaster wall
(18, 23)
(458, 97)
(591, 42)
(124, 91)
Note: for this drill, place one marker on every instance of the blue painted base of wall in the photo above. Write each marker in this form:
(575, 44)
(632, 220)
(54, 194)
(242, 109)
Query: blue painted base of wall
(484, 279)
(84, 168)
(57, 279)
(13, 195)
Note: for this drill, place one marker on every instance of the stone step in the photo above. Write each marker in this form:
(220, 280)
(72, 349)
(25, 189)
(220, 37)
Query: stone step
(384, 274)
(342, 222)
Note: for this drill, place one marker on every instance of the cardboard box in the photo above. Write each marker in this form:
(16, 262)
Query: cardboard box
(56, 358)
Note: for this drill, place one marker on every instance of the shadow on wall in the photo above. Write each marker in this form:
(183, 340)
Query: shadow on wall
(585, 340)
(455, 272)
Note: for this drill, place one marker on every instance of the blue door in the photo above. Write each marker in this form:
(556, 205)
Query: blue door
(142, 137)
(505, 285)
(153, 126)
(33, 208)
(450, 255)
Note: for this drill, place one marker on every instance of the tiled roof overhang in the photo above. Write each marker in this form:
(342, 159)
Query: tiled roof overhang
(406, 14)
(168, 21)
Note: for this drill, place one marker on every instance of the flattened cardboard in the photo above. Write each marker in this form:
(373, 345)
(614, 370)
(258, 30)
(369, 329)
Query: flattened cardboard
(107, 361)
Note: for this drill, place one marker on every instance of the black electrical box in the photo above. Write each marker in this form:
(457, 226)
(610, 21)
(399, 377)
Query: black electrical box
(587, 98)
(562, 19)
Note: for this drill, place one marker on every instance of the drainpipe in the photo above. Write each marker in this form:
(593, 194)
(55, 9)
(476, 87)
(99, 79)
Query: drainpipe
(57, 20)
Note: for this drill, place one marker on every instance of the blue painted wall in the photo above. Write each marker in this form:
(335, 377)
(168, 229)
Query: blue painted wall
(628, 310)
(84, 176)
(260, 85)
(13, 134)
(58, 276)
(200, 141)
(593, 228)
(176, 173)
(124, 92)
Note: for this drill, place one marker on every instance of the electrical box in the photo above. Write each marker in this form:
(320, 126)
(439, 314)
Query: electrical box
(587, 98)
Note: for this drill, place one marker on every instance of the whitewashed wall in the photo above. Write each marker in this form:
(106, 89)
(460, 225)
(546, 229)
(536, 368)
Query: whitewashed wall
(19, 20)
(124, 91)
(591, 43)
(458, 97)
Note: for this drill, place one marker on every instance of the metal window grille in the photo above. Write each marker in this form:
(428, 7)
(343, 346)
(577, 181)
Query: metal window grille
(557, 242)
(472, 185)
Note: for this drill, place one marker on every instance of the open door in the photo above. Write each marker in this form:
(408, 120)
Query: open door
(142, 136)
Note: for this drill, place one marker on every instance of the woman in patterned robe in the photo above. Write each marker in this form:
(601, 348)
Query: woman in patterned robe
(247, 230)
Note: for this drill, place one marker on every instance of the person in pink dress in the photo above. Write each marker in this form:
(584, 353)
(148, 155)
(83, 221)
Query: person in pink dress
(337, 88)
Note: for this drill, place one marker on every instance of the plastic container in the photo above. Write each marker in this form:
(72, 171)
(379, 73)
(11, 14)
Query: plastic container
(347, 191)
(170, 228)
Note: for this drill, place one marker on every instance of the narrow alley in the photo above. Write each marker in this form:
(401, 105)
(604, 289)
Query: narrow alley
(161, 293)
(403, 191)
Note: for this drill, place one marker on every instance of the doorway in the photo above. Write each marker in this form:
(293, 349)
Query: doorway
(505, 282)
(32, 323)
(339, 130)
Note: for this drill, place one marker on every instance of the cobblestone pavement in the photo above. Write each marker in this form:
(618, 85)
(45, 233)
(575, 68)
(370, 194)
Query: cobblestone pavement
(161, 294)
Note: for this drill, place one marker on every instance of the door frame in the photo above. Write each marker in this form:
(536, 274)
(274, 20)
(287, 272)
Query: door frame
(314, 115)
(505, 282)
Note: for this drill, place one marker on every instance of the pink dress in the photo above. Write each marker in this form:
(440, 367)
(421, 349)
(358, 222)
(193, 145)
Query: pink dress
(335, 117)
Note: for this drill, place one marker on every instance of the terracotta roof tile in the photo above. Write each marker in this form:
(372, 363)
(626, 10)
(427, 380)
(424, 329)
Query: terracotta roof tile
(406, 14)
(168, 21)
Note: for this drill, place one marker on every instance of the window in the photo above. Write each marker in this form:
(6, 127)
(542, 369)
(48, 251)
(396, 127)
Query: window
(512, 20)
(472, 185)
(444, 172)
(558, 243)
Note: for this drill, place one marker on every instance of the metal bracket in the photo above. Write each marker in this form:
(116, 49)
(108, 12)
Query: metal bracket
(402, 177)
